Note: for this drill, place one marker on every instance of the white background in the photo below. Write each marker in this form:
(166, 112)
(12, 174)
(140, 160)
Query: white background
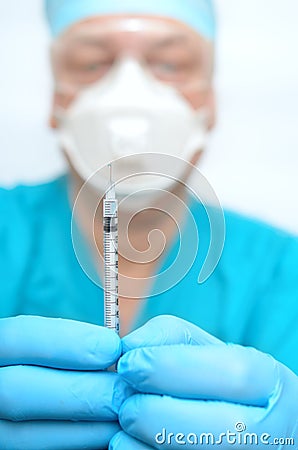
(253, 156)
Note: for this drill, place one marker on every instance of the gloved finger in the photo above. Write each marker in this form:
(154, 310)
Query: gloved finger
(167, 330)
(36, 393)
(53, 435)
(122, 441)
(57, 343)
(163, 420)
(211, 372)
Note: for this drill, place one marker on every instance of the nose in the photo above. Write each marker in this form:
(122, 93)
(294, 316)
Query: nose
(130, 74)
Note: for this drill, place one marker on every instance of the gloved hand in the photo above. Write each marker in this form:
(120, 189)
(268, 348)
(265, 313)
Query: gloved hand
(191, 384)
(54, 394)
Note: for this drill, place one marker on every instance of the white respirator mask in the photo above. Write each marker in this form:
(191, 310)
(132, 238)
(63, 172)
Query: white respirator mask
(130, 113)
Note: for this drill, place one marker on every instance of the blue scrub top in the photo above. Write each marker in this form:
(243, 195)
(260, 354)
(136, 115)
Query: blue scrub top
(250, 299)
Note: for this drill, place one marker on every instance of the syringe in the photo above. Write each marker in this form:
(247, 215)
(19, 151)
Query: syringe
(110, 237)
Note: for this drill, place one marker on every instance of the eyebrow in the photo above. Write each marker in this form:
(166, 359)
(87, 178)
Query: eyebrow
(91, 41)
(170, 41)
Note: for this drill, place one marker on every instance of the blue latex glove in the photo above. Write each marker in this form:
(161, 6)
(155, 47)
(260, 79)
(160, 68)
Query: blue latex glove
(191, 383)
(54, 394)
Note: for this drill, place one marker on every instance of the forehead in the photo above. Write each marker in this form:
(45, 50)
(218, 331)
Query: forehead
(131, 32)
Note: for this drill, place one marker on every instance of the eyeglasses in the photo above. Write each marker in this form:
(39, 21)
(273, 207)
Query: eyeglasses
(173, 54)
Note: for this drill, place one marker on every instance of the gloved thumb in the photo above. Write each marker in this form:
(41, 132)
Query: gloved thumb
(167, 330)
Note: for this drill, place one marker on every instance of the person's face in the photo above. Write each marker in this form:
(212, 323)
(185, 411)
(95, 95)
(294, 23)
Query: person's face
(171, 51)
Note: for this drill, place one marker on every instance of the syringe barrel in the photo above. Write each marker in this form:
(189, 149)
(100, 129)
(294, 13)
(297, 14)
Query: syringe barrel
(110, 226)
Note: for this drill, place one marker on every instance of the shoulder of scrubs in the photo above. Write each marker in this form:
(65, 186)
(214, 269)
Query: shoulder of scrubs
(269, 255)
(40, 274)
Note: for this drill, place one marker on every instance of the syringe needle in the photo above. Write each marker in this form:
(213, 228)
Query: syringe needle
(111, 174)
(110, 193)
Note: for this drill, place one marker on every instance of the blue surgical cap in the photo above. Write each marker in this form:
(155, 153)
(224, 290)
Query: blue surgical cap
(199, 14)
